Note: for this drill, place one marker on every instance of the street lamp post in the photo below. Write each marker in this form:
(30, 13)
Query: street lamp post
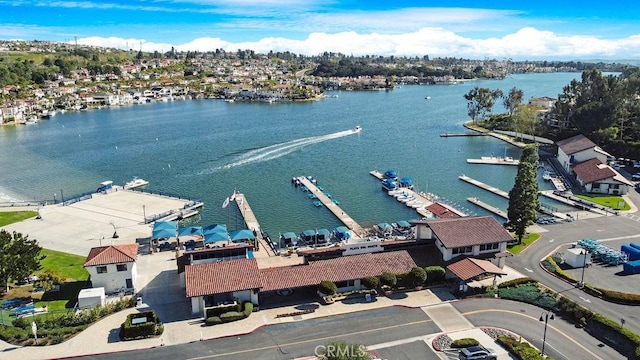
(54, 198)
(545, 317)
(584, 253)
(144, 213)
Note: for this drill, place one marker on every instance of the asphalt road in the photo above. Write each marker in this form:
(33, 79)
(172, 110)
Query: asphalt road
(602, 228)
(563, 340)
(299, 339)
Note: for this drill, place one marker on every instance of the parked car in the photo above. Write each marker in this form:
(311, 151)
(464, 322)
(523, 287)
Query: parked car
(477, 353)
(635, 177)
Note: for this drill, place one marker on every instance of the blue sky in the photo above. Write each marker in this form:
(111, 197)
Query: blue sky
(472, 29)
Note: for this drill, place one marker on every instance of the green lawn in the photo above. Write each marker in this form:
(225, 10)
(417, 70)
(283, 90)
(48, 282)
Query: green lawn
(527, 240)
(11, 217)
(68, 265)
(613, 202)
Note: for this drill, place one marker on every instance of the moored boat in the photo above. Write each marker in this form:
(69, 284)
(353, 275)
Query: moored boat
(135, 183)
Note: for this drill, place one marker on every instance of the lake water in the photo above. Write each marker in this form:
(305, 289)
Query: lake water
(208, 148)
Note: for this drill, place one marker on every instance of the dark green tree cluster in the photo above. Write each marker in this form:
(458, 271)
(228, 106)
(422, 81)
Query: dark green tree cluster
(523, 197)
(606, 109)
(19, 257)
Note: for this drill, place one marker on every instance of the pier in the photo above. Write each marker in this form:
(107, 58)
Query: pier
(484, 186)
(335, 209)
(252, 224)
(493, 209)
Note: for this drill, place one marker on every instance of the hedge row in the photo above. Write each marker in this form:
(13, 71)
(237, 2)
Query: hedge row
(522, 350)
(151, 327)
(463, 343)
(245, 309)
(519, 281)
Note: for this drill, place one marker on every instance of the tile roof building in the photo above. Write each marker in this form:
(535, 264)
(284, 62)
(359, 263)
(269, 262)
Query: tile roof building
(113, 267)
(472, 236)
(600, 178)
(212, 284)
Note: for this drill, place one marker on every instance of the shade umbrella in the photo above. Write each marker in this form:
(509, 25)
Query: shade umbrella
(163, 234)
(191, 231)
(239, 235)
(219, 228)
(215, 237)
(171, 225)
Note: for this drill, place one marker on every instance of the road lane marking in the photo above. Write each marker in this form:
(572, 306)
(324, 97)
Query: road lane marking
(332, 337)
(585, 299)
(536, 320)
(529, 270)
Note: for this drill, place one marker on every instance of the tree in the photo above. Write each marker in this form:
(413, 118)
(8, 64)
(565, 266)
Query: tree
(480, 101)
(49, 279)
(525, 118)
(513, 100)
(327, 287)
(19, 256)
(418, 276)
(523, 198)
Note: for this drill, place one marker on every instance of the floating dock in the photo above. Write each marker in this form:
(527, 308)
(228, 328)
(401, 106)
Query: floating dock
(484, 186)
(463, 134)
(335, 209)
(252, 224)
(492, 160)
(493, 209)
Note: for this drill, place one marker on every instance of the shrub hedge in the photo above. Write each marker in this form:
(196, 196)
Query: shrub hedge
(245, 309)
(129, 331)
(463, 343)
(232, 316)
(518, 281)
(389, 279)
(213, 320)
(327, 287)
(435, 274)
(522, 350)
(371, 282)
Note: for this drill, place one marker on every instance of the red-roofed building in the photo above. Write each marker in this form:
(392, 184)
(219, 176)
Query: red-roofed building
(213, 284)
(113, 267)
(469, 269)
(578, 149)
(472, 236)
(600, 178)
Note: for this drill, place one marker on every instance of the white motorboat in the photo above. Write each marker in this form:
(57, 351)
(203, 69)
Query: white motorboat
(135, 183)
(357, 129)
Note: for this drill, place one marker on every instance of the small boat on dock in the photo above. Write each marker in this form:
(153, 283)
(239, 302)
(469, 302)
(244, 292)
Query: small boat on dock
(317, 203)
(547, 176)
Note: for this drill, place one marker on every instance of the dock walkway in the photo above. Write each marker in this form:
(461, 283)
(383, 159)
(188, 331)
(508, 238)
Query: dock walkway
(484, 186)
(493, 209)
(335, 209)
(252, 224)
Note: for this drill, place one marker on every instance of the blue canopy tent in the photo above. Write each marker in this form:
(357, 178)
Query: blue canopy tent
(164, 230)
(308, 236)
(288, 238)
(406, 182)
(239, 235)
(171, 225)
(390, 174)
(216, 237)
(342, 232)
(324, 235)
(385, 226)
(191, 231)
(403, 224)
(214, 228)
(162, 234)
(389, 184)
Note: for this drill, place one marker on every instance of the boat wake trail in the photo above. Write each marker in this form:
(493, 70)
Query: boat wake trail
(275, 151)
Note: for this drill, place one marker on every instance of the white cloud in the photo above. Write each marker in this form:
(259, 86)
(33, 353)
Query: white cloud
(526, 43)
